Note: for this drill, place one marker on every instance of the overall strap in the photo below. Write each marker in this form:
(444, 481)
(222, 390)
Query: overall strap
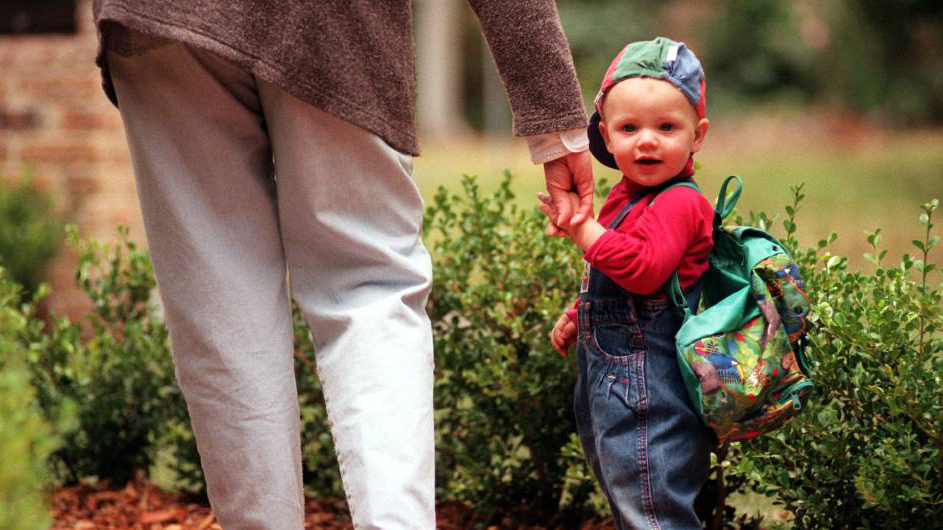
(674, 289)
(625, 211)
(657, 191)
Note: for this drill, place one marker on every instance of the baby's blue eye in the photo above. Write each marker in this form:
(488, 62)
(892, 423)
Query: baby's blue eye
(628, 127)
(666, 126)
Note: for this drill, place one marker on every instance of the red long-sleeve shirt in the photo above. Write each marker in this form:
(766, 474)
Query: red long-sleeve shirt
(674, 234)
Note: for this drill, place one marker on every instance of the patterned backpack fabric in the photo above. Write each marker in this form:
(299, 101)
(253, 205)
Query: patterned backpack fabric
(742, 355)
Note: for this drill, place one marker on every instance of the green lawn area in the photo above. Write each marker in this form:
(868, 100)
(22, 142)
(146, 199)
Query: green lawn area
(855, 181)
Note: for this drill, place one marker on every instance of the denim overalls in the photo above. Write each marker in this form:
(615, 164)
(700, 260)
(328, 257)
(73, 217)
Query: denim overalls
(639, 433)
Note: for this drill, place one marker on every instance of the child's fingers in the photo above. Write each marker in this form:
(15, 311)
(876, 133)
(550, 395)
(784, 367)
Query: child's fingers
(568, 334)
(555, 332)
(556, 344)
(555, 340)
(562, 334)
(547, 209)
(569, 329)
(551, 229)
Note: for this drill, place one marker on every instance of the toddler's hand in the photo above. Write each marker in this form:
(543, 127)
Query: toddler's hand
(563, 335)
(549, 209)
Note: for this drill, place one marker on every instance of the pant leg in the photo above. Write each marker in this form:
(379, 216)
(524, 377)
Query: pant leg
(203, 165)
(351, 220)
(615, 407)
(583, 400)
(679, 443)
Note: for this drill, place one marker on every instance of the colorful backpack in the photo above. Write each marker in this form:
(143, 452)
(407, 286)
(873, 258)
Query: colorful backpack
(742, 356)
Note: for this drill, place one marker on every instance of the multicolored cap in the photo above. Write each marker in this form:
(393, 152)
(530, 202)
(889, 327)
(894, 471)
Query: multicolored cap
(659, 58)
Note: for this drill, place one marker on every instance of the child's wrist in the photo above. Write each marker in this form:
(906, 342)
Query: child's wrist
(586, 233)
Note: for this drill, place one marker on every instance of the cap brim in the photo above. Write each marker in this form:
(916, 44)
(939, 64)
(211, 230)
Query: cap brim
(597, 145)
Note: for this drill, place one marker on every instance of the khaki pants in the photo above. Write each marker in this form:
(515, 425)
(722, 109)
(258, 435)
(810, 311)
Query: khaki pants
(240, 182)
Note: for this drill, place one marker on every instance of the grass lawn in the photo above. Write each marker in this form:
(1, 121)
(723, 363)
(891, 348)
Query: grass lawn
(856, 179)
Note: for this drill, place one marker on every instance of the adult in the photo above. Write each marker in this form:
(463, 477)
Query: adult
(273, 137)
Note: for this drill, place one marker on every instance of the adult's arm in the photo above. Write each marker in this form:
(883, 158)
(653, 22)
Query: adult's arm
(534, 60)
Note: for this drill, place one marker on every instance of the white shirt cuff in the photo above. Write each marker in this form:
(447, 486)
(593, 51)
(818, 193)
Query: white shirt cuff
(551, 146)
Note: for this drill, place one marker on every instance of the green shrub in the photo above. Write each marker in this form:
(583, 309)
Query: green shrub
(120, 376)
(866, 454)
(502, 395)
(869, 452)
(30, 231)
(26, 437)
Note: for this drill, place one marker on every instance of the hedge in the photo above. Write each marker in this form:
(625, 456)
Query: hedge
(867, 453)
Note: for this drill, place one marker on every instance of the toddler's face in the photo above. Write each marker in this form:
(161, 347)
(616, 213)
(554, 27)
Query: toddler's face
(650, 129)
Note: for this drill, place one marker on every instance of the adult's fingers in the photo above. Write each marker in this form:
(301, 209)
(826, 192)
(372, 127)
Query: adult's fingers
(547, 209)
(581, 168)
(561, 203)
(559, 183)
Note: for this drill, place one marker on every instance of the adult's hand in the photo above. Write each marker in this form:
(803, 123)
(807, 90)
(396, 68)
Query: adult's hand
(573, 172)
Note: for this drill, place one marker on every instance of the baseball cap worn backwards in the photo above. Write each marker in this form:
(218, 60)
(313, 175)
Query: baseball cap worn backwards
(659, 58)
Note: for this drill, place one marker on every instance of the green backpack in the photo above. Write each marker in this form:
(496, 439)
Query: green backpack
(742, 356)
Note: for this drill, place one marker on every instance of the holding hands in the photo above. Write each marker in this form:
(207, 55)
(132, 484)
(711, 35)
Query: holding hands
(568, 206)
(582, 229)
(564, 175)
(563, 334)
(558, 224)
(583, 234)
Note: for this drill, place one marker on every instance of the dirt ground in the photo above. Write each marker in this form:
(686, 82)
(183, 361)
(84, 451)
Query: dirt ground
(142, 506)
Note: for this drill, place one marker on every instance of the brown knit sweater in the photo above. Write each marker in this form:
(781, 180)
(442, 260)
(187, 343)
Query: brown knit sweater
(354, 58)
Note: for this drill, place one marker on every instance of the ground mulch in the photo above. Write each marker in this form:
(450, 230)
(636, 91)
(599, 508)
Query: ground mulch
(142, 506)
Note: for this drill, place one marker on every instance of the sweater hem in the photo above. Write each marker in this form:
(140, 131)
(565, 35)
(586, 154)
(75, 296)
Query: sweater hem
(257, 66)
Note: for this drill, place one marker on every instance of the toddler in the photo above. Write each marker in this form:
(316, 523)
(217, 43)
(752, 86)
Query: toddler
(639, 432)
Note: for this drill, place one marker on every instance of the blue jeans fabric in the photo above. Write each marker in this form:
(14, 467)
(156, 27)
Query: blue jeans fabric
(639, 432)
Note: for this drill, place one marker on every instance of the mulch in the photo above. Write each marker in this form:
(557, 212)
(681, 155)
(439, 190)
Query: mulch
(140, 505)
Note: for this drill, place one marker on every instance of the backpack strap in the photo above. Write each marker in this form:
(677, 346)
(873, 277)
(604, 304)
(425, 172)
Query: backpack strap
(724, 206)
(674, 285)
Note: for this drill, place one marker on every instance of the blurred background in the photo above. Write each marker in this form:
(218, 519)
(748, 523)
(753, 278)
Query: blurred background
(844, 96)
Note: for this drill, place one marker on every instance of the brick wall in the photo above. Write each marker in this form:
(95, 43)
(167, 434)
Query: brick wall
(56, 122)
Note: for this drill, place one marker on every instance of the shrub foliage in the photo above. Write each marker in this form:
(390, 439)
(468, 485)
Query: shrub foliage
(30, 231)
(27, 438)
(503, 395)
(867, 454)
(117, 371)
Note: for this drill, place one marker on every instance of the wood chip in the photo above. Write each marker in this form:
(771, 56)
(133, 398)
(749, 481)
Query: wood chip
(160, 516)
(206, 522)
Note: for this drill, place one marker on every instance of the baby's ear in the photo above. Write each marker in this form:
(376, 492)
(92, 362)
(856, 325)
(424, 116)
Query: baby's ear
(700, 131)
(604, 131)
